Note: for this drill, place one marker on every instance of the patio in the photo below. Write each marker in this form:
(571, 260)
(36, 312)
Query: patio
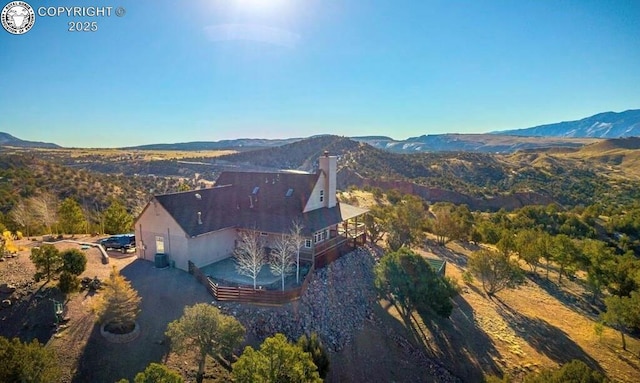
(224, 273)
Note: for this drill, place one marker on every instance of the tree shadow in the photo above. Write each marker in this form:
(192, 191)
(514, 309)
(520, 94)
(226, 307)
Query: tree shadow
(409, 347)
(31, 314)
(458, 341)
(447, 254)
(544, 337)
(165, 293)
(577, 303)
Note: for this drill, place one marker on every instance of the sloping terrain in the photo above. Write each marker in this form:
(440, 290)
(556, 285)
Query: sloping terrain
(24, 175)
(484, 143)
(602, 125)
(8, 140)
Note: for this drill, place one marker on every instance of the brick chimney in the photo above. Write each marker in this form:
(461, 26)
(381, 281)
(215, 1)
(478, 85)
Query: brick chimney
(329, 166)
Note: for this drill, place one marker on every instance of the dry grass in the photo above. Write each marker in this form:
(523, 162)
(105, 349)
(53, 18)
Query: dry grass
(146, 155)
(361, 198)
(535, 326)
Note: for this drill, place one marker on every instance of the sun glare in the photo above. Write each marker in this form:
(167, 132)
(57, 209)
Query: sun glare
(260, 5)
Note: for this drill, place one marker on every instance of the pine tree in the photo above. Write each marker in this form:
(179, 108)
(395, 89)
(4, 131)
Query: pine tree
(71, 217)
(116, 219)
(276, 361)
(47, 260)
(119, 305)
(207, 331)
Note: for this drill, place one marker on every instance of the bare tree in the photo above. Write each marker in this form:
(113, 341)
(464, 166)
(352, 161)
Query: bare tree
(45, 207)
(250, 255)
(297, 241)
(282, 261)
(23, 215)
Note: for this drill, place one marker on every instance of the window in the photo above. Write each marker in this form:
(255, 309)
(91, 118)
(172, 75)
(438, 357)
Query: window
(318, 237)
(159, 245)
(307, 243)
(321, 195)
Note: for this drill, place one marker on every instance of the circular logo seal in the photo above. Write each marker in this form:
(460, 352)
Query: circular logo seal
(18, 17)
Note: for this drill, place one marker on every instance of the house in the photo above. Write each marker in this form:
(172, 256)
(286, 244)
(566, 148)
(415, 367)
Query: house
(202, 225)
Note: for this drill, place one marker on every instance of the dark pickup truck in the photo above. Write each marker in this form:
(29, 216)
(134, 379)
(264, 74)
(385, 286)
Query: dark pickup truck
(123, 242)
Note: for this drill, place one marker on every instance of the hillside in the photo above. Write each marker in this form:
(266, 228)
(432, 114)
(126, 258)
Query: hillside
(482, 176)
(484, 143)
(25, 175)
(8, 140)
(300, 155)
(606, 170)
(529, 177)
(602, 125)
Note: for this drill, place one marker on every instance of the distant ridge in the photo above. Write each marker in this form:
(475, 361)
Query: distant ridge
(8, 140)
(237, 144)
(482, 143)
(602, 125)
(628, 143)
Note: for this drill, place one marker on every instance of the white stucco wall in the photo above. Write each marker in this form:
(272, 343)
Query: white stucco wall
(329, 165)
(155, 221)
(211, 247)
(314, 200)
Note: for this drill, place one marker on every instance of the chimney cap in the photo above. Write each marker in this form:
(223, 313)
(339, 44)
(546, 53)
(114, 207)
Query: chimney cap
(326, 153)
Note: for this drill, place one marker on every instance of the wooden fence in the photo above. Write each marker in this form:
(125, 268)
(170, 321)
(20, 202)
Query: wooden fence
(246, 294)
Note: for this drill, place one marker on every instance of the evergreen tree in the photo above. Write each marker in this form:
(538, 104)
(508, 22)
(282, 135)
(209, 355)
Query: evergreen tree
(74, 263)
(158, 373)
(623, 312)
(119, 304)
(206, 330)
(47, 260)
(495, 270)
(574, 371)
(407, 279)
(277, 361)
(71, 217)
(314, 347)
(27, 362)
(566, 254)
(117, 220)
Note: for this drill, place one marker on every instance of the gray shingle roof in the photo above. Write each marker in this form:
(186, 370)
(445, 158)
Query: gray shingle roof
(255, 201)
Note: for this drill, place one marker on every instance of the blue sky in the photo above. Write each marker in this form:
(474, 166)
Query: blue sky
(204, 70)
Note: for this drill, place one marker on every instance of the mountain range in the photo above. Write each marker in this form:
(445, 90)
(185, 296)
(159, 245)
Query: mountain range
(563, 134)
(602, 125)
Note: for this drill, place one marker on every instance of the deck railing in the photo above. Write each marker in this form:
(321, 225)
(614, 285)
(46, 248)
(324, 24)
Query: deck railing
(247, 294)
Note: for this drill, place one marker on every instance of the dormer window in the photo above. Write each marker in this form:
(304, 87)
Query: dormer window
(321, 195)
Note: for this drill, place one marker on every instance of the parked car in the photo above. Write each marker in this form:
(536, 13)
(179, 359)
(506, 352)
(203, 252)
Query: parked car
(122, 242)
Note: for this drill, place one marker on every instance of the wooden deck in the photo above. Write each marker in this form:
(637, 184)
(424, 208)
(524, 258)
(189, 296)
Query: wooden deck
(246, 294)
(328, 252)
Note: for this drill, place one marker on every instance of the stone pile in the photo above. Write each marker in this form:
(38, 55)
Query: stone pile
(337, 301)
